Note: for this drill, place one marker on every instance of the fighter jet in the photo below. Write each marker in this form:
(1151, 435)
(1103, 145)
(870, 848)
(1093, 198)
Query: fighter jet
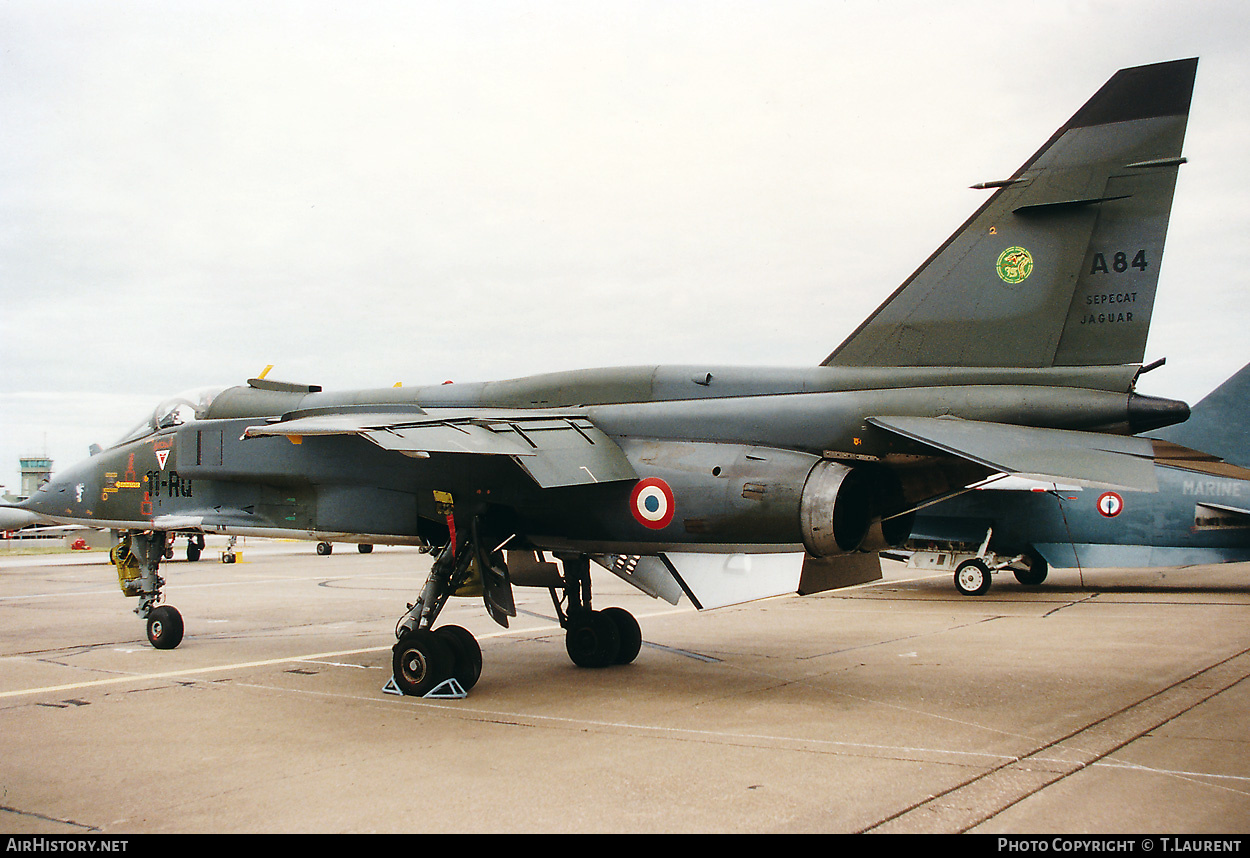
(1014, 348)
(1200, 513)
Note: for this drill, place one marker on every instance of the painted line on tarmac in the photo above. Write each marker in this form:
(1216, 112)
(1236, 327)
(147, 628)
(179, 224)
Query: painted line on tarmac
(183, 587)
(269, 662)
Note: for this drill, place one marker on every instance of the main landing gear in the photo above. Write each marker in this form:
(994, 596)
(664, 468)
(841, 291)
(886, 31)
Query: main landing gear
(427, 660)
(137, 556)
(593, 638)
(327, 548)
(195, 547)
(972, 576)
(974, 566)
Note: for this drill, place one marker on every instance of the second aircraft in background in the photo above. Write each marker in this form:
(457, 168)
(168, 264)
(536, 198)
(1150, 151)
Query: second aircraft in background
(1200, 514)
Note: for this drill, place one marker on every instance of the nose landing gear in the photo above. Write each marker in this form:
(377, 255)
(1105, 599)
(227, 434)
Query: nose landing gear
(137, 557)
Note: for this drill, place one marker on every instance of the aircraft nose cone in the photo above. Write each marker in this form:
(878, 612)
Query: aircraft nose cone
(66, 495)
(49, 497)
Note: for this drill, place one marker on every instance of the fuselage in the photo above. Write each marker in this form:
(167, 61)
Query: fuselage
(1192, 518)
(735, 446)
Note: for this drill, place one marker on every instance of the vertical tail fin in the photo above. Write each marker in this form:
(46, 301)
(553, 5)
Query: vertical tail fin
(1218, 424)
(1059, 266)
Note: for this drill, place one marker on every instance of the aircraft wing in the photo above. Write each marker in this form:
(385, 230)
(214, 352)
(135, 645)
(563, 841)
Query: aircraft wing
(554, 449)
(1061, 455)
(1186, 459)
(1232, 516)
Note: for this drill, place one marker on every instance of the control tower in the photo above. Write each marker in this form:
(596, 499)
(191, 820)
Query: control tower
(35, 470)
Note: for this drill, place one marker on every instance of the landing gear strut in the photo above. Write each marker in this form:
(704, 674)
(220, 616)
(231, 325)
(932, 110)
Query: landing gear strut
(195, 547)
(425, 658)
(137, 557)
(592, 638)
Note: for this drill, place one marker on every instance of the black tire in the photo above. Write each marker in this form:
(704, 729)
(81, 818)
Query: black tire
(972, 577)
(467, 655)
(324, 548)
(364, 548)
(1037, 571)
(193, 552)
(592, 639)
(630, 633)
(165, 627)
(420, 661)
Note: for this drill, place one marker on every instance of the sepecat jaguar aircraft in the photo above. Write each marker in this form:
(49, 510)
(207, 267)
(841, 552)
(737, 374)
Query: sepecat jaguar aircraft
(1015, 348)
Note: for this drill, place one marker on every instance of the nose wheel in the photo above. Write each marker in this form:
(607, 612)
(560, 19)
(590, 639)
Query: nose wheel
(137, 557)
(165, 627)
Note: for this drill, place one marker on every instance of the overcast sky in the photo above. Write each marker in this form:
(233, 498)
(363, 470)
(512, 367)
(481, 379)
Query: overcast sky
(374, 192)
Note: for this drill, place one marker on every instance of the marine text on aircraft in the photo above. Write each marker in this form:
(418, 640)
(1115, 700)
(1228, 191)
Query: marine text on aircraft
(1212, 488)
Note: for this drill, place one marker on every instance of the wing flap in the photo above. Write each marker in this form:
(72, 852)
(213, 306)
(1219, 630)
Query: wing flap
(1060, 455)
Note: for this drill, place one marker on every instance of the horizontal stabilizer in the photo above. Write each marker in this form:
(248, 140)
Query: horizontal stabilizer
(1059, 455)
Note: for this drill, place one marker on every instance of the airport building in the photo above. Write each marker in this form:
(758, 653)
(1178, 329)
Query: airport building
(35, 470)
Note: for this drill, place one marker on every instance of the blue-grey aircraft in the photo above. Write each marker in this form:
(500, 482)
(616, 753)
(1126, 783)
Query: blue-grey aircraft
(1200, 513)
(1014, 348)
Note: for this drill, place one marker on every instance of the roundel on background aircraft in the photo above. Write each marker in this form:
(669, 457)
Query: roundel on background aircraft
(651, 503)
(1110, 504)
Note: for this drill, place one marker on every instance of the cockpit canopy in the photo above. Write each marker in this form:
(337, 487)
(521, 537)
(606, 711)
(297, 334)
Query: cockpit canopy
(174, 411)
